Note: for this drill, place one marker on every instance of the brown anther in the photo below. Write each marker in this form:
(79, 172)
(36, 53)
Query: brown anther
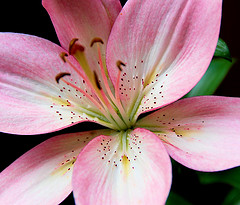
(96, 40)
(63, 56)
(119, 64)
(74, 47)
(61, 75)
(97, 80)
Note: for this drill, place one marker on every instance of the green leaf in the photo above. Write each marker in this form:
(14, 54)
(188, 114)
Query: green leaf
(174, 199)
(231, 177)
(222, 50)
(213, 77)
(232, 198)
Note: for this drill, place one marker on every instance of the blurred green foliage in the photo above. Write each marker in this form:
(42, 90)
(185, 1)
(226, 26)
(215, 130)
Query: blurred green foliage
(216, 72)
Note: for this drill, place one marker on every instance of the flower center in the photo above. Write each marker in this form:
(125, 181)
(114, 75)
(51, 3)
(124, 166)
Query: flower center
(106, 96)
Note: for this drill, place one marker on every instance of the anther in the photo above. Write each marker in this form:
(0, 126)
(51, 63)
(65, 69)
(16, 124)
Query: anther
(97, 81)
(96, 40)
(63, 56)
(74, 47)
(61, 75)
(120, 64)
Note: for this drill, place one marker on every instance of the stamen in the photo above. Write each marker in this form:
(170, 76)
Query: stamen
(74, 47)
(105, 103)
(63, 56)
(121, 109)
(61, 75)
(84, 93)
(77, 51)
(112, 111)
(96, 40)
(114, 100)
(88, 83)
(117, 85)
(97, 81)
(104, 78)
(109, 104)
(106, 100)
(119, 64)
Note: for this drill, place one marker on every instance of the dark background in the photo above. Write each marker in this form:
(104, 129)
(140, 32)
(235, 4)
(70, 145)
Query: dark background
(30, 17)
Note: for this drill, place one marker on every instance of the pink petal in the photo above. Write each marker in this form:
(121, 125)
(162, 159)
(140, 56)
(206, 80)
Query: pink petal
(43, 174)
(166, 44)
(111, 170)
(201, 132)
(82, 19)
(32, 101)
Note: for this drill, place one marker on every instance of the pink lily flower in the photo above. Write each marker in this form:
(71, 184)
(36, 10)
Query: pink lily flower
(113, 65)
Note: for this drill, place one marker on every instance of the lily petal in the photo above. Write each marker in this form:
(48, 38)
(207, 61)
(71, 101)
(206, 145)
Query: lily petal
(33, 101)
(166, 47)
(82, 19)
(200, 132)
(128, 168)
(43, 175)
